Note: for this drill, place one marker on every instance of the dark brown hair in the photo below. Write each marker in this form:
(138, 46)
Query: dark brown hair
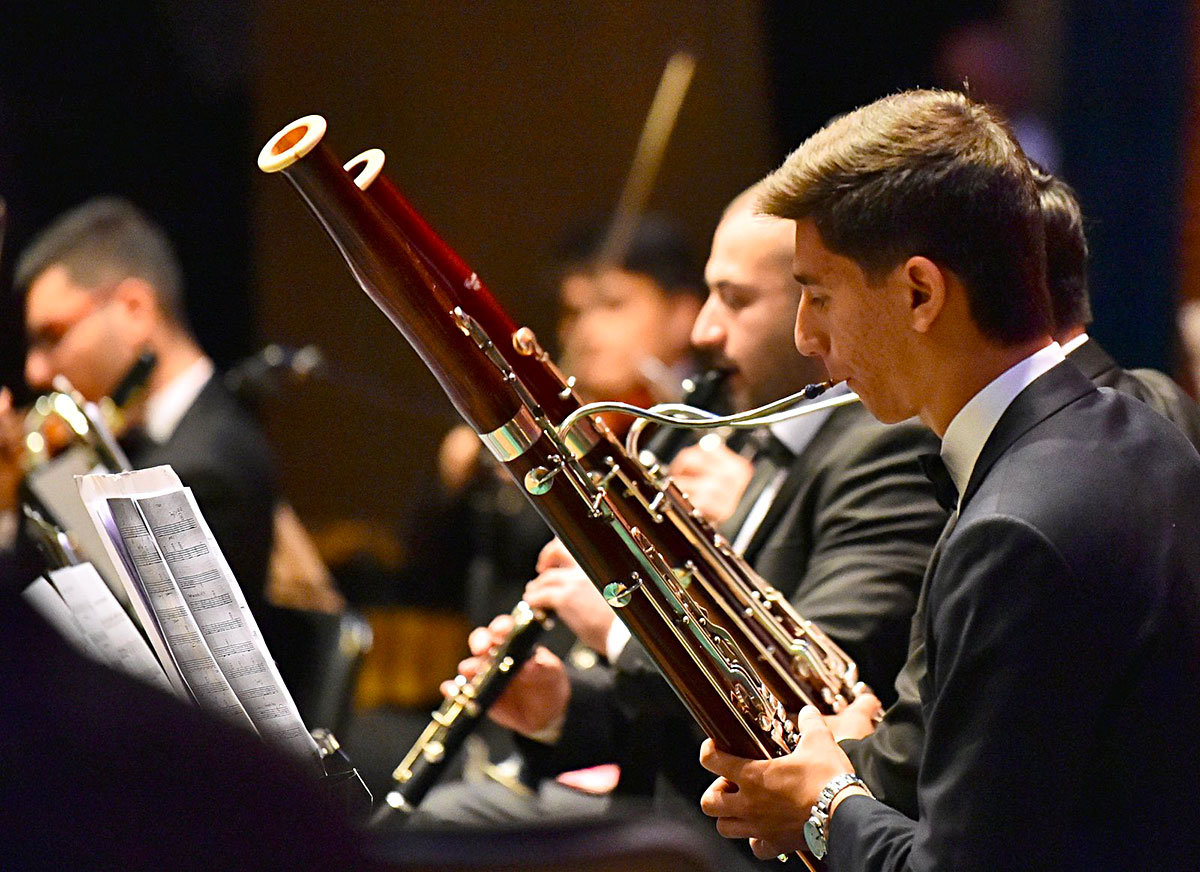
(1066, 251)
(103, 241)
(927, 173)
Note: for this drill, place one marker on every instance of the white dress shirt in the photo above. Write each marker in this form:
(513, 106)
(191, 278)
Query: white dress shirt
(165, 408)
(970, 428)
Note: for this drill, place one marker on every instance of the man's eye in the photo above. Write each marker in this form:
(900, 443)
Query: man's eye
(733, 301)
(47, 337)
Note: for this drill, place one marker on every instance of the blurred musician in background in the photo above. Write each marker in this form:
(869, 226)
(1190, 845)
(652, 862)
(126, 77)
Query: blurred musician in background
(101, 287)
(624, 328)
(1066, 277)
(837, 516)
(102, 771)
(1061, 611)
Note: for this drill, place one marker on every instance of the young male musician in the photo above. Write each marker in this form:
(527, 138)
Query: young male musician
(1062, 606)
(101, 286)
(844, 527)
(889, 758)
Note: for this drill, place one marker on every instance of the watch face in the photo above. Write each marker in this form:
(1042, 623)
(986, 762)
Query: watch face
(814, 838)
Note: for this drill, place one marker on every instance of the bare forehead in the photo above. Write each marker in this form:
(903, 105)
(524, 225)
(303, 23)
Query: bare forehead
(747, 242)
(812, 262)
(53, 295)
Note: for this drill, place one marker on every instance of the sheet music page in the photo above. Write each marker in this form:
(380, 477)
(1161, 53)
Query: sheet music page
(46, 602)
(157, 600)
(53, 484)
(107, 625)
(216, 601)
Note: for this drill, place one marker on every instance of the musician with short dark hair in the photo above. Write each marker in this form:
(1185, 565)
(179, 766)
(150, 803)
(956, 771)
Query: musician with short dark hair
(102, 286)
(842, 524)
(1061, 610)
(1066, 278)
(889, 758)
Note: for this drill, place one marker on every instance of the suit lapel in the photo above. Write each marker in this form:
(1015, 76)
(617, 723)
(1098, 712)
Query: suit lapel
(1050, 392)
(800, 474)
(1093, 361)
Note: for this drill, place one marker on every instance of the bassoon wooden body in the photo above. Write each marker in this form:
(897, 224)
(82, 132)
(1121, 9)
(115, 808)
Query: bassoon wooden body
(741, 660)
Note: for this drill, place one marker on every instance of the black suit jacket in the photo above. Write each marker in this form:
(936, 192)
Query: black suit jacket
(847, 538)
(1152, 387)
(1061, 702)
(219, 452)
(889, 759)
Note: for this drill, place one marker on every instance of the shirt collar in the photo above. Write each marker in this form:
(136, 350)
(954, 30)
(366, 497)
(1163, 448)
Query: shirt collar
(165, 408)
(970, 428)
(796, 433)
(1071, 344)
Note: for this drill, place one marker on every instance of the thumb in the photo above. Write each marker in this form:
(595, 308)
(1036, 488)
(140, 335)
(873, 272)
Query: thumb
(809, 720)
(867, 705)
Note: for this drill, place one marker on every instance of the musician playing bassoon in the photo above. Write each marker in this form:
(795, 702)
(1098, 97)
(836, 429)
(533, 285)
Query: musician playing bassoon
(844, 525)
(888, 759)
(1061, 609)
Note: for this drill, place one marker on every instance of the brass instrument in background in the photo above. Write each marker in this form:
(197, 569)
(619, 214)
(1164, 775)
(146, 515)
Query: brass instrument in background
(66, 435)
(730, 646)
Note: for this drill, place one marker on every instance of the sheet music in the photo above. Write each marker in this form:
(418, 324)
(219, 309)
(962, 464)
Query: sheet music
(106, 623)
(185, 641)
(220, 609)
(193, 584)
(46, 602)
(53, 484)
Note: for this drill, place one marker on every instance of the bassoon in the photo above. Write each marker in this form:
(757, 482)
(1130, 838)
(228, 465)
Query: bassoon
(730, 646)
(461, 712)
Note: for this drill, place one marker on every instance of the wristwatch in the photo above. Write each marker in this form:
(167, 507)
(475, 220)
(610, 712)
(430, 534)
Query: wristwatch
(816, 828)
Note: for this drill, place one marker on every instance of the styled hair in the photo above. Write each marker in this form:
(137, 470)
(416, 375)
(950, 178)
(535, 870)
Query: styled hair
(927, 173)
(1066, 251)
(658, 249)
(102, 242)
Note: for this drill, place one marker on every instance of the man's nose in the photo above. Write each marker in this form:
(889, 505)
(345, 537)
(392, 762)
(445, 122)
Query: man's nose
(38, 372)
(708, 331)
(809, 341)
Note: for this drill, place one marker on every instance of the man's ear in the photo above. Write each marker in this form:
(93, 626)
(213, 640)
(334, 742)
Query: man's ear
(925, 288)
(139, 307)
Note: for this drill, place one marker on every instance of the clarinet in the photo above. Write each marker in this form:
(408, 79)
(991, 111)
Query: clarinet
(729, 645)
(461, 713)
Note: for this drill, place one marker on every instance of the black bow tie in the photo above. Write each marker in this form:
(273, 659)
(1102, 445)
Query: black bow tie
(944, 488)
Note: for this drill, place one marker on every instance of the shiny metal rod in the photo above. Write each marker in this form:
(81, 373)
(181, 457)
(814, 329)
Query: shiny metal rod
(679, 415)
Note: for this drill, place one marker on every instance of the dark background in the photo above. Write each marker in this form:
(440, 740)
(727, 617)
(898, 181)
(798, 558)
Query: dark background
(504, 122)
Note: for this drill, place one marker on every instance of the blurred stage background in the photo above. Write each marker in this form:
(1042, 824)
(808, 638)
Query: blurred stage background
(505, 121)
